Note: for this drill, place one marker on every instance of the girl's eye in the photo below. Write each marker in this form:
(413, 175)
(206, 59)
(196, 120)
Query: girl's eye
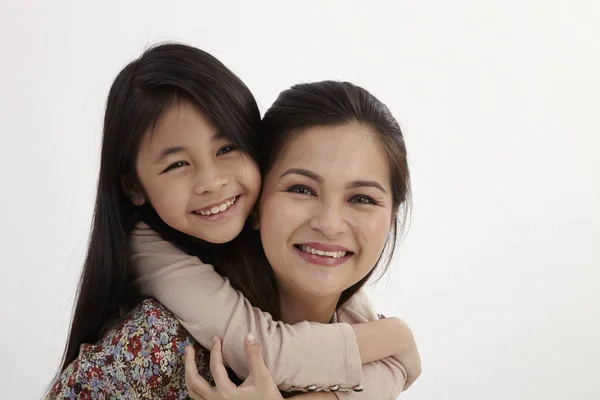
(300, 190)
(226, 149)
(176, 165)
(362, 199)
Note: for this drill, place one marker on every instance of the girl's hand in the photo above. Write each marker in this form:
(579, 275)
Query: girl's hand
(258, 386)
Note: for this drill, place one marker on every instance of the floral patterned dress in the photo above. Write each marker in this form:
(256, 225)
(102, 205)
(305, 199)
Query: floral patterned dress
(141, 358)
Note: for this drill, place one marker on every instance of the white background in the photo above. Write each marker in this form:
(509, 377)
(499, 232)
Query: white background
(499, 275)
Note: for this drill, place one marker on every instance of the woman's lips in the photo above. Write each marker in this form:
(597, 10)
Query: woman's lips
(321, 254)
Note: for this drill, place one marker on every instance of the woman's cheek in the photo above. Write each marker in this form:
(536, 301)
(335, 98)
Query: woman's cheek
(290, 209)
(374, 228)
(274, 205)
(267, 211)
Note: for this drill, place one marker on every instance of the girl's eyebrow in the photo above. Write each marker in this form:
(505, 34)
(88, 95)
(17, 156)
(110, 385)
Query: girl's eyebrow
(319, 179)
(178, 149)
(168, 151)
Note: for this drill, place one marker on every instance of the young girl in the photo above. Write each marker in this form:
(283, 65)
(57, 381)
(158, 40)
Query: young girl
(336, 173)
(139, 180)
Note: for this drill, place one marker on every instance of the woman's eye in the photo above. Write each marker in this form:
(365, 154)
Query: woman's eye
(226, 149)
(300, 190)
(362, 199)
(176, 165)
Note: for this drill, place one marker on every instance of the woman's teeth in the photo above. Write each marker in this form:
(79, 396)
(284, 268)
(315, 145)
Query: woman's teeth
(333, 254)
(217, 209)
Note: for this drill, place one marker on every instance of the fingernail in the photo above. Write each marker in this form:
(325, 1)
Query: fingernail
(215, 340)
(250, 338)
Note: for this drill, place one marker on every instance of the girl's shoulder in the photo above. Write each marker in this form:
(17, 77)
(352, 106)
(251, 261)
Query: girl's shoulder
(141, 357)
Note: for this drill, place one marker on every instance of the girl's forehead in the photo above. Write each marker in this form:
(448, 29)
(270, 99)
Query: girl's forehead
(182, 122)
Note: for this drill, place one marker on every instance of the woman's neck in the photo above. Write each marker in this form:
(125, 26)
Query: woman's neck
(295, 308)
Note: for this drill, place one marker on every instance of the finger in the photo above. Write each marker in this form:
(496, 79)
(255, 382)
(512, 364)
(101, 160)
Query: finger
(197, 386)
(217, 368)
(255, 357)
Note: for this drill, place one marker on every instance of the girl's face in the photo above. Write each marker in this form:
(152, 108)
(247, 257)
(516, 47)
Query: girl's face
(326, 210)
(196, 179)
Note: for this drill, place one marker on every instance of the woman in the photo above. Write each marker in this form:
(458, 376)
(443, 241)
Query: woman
(336, 175)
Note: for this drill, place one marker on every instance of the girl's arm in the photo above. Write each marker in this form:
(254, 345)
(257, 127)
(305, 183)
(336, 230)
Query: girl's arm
(386, 378)
(299, 356)
(378, 338)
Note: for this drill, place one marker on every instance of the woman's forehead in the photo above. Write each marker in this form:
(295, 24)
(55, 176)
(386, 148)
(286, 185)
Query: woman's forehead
(349, 151)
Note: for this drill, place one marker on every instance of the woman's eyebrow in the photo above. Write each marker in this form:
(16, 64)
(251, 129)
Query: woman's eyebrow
(317, 178)
(304, 172)
(365, 183)
(218, 136)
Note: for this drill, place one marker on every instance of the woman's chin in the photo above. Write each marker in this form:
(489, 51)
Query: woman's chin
(316, 291)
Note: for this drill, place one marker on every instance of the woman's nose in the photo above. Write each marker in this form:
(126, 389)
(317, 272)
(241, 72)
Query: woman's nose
(328, 220)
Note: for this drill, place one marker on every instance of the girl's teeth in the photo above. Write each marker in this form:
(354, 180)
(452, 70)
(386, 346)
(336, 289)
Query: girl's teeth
(333, 254)
(218, 209)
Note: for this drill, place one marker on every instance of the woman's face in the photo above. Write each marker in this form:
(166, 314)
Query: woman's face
(196, 179)
(326, 210)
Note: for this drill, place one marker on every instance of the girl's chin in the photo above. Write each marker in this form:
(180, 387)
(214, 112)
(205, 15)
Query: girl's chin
(215, 236)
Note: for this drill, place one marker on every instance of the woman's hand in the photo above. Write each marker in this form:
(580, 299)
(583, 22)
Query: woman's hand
(258, 386)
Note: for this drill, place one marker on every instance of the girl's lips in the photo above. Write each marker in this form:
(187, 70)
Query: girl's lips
(217, 204)
(222, 215)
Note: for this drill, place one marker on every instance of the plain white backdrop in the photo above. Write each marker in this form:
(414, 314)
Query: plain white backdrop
(499, 275)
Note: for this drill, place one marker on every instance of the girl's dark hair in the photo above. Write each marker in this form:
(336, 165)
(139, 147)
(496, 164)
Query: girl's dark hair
(331, 103)
(143, 91)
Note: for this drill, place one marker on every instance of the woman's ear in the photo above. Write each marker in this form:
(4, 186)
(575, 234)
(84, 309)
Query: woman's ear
(133, 191)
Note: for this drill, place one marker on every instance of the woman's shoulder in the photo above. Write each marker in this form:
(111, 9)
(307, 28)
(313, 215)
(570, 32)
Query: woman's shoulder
(140, 357)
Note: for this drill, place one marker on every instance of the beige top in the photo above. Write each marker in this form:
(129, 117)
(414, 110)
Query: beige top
(300, 356)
